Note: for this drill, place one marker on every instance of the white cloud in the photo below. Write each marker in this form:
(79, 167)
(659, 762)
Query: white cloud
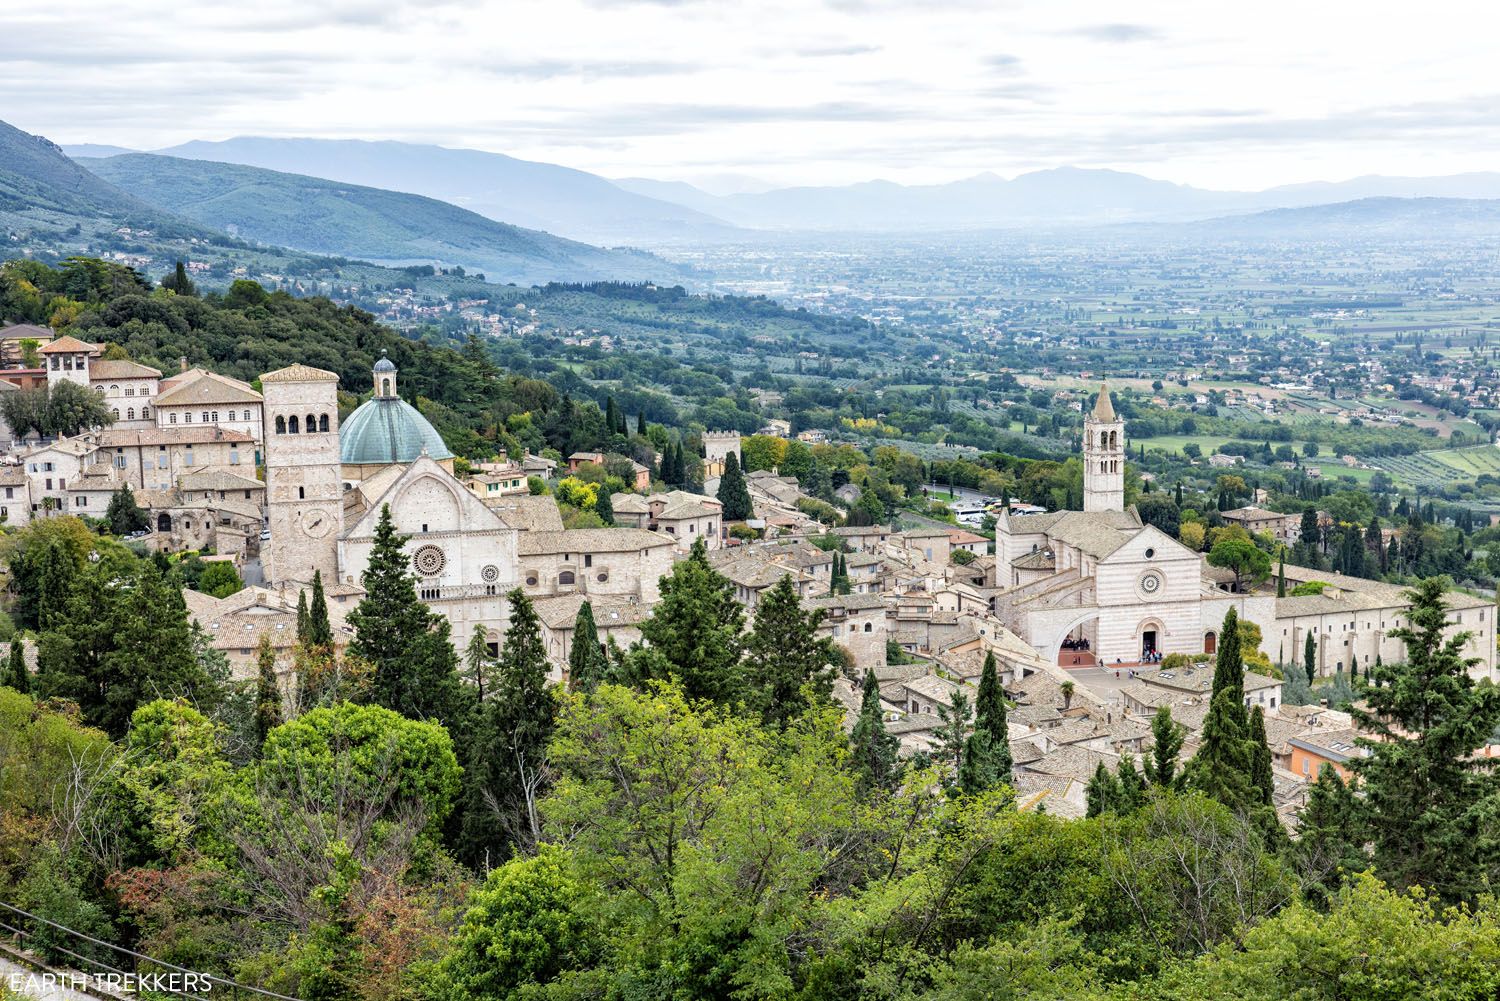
(824, 91)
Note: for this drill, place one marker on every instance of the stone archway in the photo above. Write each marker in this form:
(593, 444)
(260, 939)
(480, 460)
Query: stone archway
(164, 522)
(1054, 647)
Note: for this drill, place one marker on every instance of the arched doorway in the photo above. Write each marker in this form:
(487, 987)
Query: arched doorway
(163, 522)
(1210, 642)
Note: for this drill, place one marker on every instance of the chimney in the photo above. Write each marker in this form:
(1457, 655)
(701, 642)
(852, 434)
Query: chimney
(182, 364)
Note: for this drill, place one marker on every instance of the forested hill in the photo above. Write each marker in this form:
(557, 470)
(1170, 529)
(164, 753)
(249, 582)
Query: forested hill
(351, 220)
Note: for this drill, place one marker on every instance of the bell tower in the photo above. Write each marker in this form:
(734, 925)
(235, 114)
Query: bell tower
(304, 477)
(1103, 457)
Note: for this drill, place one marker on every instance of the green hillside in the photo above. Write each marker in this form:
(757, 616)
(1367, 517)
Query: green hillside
(350, 220)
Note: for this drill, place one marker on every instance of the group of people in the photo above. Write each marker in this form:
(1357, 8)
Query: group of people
(1081, 643)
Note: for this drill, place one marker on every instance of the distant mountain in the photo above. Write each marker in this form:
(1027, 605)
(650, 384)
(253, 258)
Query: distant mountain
(349, 220)
(570, 203)
(1364, 218)
(1060, 197)
(36, 179)
(77, 150)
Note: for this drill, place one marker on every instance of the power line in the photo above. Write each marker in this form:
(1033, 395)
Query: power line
(211, 978)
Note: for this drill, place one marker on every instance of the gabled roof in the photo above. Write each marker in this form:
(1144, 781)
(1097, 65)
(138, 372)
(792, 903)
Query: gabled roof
(207, 389)
(125, 437)
(68, 344)
(590, 540)
(21, 331)
(108, 368)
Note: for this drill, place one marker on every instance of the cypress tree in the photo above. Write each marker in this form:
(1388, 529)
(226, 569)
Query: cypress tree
(1330, 839)
(587, 662)
(16, 674)
(1103, 792)
(1261, 775)
(1166, 735)
(1422, 783)
(1222, 768)
(267, 692)
(1132, 787)
(1229, 664)
(1310, 657)
(872, 749)
(302, 620)
(734, 494)
(640, 423)
(477, 661)
(612, 418)
(987, 761)
(1281, 576)
(319, 631)
(604, 507)
(695, 629)
(787, 666)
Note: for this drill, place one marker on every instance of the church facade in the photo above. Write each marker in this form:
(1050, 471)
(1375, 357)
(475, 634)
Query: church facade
(1101, 586)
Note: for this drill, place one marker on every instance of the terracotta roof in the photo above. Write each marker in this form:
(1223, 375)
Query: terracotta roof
(299, 373)
(67, 344)
(108, 368)
(207, 389)
(589, 540)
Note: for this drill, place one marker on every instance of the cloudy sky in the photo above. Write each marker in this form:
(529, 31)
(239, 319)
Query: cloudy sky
(788, 91)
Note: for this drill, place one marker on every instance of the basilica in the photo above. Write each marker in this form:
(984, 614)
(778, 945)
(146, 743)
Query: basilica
(1099, 586)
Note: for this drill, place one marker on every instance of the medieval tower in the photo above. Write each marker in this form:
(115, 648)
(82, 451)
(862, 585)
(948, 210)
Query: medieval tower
(1103, 457)
(304, 481)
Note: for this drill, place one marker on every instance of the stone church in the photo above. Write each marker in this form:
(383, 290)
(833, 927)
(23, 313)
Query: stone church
(1100, 586)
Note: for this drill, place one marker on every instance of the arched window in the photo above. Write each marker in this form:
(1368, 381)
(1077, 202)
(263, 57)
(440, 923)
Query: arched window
(565, 578)
(163, 522)
(280, 424)
(214, 417)
(322, 422)
(247, 416)
(312, 423)
(385, 387)
(291, 426)
(115, 411)
(145, 412)
(869, 627)
(130, 414)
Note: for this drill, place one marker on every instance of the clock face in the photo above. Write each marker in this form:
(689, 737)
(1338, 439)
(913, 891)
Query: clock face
(1151, 582)
(316, 523)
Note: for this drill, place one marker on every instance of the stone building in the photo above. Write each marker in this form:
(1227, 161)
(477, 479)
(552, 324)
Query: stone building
(304, 478)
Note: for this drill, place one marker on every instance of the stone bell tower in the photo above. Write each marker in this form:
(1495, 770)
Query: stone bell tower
(1103, 457)
(304, 477)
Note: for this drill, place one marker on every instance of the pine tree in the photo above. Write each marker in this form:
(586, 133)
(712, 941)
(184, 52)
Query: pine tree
(16, 674)
(734, 494)
(1260, 772)
(695, 629)
(953, 735)
(319, 631)
(477, 661)
(872, 749)
(124, 514)
(1229, 662)
(267, 691)
(1310, 658)
(604, 507)
(987, 761)
(588, 664)
(1421, 780)
(507, 773)
(415, 667)
(1132, 787)
(1167, 737)
(1330, 837)
(787, 666)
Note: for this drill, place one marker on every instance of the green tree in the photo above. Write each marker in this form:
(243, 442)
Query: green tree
(220, 579)
(1330, 836)
(16, 674)
(1310, 657)
(734, 493)
(124, 514)
(508, 769)
(1261, 776)
(267, 692)
(873, 751)
(73, 408)
(1102, 794)
(415, 667)
(987, 759)
(696, 628)
(788, 667)
(1242, 558)
(319, 631)
(1166, 745)
(604, 507)
(588, 664)
(302, 620)
(179, 282)
(1222, 768)
(477, 661)
(1423, 784)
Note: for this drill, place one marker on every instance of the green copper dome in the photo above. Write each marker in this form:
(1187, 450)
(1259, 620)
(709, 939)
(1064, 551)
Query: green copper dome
(388, 429)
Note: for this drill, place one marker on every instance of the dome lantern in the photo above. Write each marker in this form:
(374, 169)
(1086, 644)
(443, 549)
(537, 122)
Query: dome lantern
(385, 378)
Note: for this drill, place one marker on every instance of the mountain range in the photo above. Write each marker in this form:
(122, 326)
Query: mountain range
(350, 220)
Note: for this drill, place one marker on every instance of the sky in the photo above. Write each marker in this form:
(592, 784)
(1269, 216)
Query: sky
(734, 95)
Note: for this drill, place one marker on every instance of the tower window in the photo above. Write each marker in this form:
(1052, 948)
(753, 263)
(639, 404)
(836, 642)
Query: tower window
(280, 424)
(323, 422)
(291, 425)
(301, 493)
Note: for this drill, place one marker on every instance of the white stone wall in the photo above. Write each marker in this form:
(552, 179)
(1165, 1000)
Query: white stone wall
(132, 401)
(231, 417)
(634, 573)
